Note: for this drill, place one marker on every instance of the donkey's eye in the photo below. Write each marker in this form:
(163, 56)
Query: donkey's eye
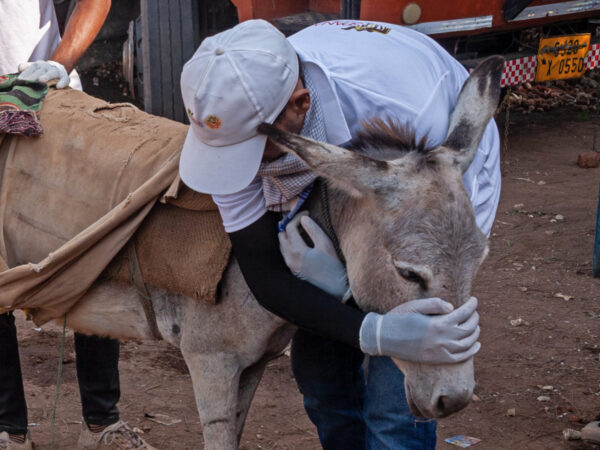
(413, 277)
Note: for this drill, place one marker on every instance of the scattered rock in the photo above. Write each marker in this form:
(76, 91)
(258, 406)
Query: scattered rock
(564, 296)
(163, 419)
(518, 322)
(475, 398)
(512, 412)
(559, 217)
(543, 398)
(547, 388)
(575, 419)
(588, 159)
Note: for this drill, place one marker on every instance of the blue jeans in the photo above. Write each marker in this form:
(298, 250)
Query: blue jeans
(349, 412)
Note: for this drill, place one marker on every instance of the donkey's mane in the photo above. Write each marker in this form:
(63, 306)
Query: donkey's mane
(387, 139)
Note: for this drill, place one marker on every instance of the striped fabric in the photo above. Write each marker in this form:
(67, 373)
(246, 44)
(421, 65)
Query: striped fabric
(286, 177)
(20, 105)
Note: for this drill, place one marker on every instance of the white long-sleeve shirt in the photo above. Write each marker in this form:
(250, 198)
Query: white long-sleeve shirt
(28, 32)
(363, 70)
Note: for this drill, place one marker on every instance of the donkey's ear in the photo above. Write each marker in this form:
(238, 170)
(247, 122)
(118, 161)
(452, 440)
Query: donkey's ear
(351, 171)
(474, 108)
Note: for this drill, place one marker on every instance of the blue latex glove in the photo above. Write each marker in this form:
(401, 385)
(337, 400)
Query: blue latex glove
(411, 333)
(44, 71)
(319, 265)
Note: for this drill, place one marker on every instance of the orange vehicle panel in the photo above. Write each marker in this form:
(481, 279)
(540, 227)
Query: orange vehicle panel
(434, 10)
(391, 11)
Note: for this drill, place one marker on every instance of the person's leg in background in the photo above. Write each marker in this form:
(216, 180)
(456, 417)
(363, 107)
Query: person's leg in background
(329, 376)
(13, 407)
(97, 361)
(390, 423)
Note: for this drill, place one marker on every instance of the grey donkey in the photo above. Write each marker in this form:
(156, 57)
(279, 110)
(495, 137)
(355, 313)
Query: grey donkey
(405, 223)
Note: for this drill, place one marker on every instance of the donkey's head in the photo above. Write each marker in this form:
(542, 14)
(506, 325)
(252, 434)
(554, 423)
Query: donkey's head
(406, 225)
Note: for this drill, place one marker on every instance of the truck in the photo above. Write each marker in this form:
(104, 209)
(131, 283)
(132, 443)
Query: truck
(541, 40)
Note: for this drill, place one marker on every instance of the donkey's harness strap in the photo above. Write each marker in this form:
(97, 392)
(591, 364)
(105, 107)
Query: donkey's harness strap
(327, 220)
(143, 294)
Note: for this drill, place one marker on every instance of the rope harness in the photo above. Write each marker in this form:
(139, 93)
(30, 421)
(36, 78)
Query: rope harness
(324, 195)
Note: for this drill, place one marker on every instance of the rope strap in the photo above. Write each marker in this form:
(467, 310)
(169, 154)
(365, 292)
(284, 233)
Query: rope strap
(140, 286)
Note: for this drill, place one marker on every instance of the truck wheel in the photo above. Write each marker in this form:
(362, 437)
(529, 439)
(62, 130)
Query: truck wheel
(169, 36)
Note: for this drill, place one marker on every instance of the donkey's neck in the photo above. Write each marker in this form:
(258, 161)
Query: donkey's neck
(334, 210)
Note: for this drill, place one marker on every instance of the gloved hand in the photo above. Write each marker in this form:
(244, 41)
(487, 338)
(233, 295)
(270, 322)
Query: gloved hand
(319, 265)
(408, 332)
(44, 71)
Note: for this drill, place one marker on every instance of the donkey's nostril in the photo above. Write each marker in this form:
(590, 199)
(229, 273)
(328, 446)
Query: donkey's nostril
(441, 404)
(448, 404)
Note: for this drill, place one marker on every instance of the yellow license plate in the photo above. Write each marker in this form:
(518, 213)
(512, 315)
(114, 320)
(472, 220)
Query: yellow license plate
(562, 57)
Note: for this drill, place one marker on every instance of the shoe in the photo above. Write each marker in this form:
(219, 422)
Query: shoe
(591, 432)
(7, 444)
(113, 437)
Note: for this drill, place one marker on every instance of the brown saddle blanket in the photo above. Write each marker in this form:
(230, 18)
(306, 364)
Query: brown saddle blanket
(72, 199)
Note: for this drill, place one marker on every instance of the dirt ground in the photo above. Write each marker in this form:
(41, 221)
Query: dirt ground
(538, 275)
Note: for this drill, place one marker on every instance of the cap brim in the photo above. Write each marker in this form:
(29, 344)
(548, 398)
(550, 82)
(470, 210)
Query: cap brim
(220, 170)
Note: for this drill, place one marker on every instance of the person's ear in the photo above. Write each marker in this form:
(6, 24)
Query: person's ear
(300, 101)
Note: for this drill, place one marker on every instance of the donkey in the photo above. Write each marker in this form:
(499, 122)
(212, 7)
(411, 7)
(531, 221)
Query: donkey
(405, 224)
(406, 229)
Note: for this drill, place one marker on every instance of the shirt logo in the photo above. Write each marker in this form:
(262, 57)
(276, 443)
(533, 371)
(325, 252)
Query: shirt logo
(213, 122)
(370, 28)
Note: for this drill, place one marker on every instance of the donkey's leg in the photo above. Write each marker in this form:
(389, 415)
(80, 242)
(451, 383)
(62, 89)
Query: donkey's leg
(215, 378)
(248, 384)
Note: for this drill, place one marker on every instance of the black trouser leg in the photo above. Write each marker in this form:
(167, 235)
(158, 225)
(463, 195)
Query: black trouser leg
(98, 375)
(13, 408)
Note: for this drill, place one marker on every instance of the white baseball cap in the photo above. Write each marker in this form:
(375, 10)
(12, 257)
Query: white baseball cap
(236, 80)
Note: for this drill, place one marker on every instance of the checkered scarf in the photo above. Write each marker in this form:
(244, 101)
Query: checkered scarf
(287, 176)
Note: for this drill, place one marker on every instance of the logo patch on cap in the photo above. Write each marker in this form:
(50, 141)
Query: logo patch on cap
(213, 122)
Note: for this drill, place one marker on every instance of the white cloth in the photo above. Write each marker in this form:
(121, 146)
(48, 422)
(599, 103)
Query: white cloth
(402, 74)
(242, 208)
(28, 32)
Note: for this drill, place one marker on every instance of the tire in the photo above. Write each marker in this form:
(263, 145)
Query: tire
(169, 38)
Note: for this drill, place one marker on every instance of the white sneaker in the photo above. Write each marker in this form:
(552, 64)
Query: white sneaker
(7, 444)
(117, 436)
